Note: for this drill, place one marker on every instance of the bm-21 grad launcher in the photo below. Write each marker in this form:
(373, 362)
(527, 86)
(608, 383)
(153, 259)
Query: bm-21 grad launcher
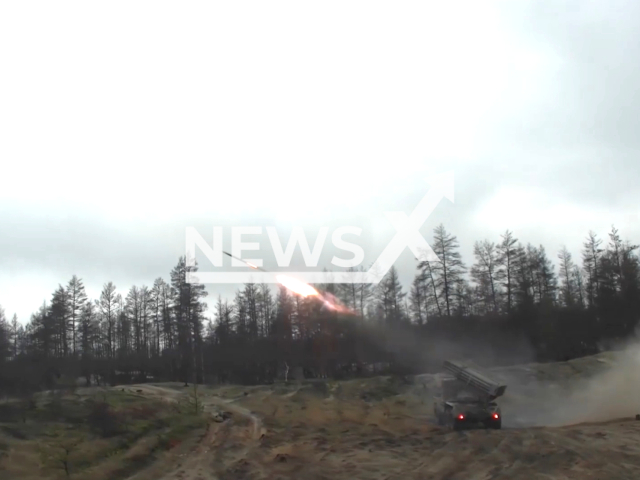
(468, 397)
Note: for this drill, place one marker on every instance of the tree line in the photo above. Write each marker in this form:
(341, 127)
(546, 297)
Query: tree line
(510, 305)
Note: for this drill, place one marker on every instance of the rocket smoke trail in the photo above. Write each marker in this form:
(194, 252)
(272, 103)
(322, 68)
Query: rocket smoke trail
(328, 300)
(255, 267)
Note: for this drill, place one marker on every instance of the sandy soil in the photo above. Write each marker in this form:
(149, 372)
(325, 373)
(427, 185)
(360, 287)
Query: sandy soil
(564, 421)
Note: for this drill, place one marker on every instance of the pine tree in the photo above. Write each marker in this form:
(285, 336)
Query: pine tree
(568, 289)
(89, 332)
(591, 259)
(124, 329)
(418, 299)
(5, 337)
(355, 296)
(615, 254)
(77, 298)
(523, 261)
(169, 328)
(432, 284)
(41, 332)
(145, 305)
(348, 292)
(251, 300)
(449, 269)
(546, 283)
(240, 317)
(17, 332)
(155, 297)
(108, 304)
(578, 281)
(390, 297)
(464, 298)
(60, 313)
(508, 259)
(133, 309)
(485, 273)
(224, 327)
(266, 309)
(619, 290)
(188, 309)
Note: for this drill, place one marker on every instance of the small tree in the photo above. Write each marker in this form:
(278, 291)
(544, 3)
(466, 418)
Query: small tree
(195, 400)
(103, 419)
(56, 453)
(192, 404)
(27, 401)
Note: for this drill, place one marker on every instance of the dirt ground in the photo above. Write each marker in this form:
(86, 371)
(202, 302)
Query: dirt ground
(572, 420)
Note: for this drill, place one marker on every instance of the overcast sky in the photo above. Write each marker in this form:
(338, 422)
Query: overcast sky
(123, 123)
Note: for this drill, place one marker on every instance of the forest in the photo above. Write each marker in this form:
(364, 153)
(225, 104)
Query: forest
(513, 304)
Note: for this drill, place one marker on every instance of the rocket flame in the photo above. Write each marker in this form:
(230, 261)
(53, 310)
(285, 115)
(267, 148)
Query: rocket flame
(332, 303)
(335, 307)
(296, 286)
(305, 290)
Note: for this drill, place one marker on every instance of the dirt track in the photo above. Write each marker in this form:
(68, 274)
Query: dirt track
(196, 464)
(338, 431)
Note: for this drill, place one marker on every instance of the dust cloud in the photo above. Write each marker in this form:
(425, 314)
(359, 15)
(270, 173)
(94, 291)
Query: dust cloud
(612, 394)
(422, 354)
(592, 389)
(589, 389)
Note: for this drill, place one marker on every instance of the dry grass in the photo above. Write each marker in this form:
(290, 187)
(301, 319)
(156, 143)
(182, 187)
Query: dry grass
(377, 428)
(381, 428)
(65, 438)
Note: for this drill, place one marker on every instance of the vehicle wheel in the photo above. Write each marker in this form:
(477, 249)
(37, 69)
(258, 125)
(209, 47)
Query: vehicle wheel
(493, 425)
(447, 420)
(455, 424)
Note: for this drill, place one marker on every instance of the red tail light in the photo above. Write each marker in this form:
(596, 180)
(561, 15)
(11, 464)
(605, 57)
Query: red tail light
(496, 416)
(461, 417)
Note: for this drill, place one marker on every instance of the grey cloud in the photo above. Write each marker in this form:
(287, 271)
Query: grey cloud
(580, 143)
(593, 100)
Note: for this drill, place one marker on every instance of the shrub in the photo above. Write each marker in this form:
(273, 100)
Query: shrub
(103, 419)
